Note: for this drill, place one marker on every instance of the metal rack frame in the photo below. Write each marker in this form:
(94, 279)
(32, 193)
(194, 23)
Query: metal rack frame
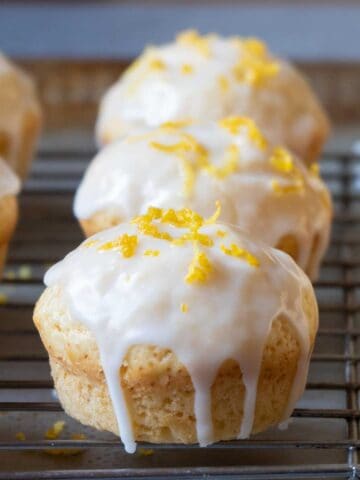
(47, 231)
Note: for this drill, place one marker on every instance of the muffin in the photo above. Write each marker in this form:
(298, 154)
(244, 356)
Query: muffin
(176, 328)
(20, 117)
(264, 189)
(210, 77)
(9, 187)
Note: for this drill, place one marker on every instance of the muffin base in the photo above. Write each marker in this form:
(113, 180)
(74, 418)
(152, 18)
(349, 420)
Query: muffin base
(157, 387)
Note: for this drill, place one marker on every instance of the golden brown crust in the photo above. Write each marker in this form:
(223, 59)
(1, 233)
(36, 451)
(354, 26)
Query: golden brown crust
(8, 220)
(30, 131)
(157, 386)
(101, 220)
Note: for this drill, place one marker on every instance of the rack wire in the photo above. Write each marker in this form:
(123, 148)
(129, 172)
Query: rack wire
(322, 441)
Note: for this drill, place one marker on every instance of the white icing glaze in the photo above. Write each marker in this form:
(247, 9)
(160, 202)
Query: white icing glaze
(283, 104)
(128, 176)
(17, 97)
(126, 301)
(9, 182)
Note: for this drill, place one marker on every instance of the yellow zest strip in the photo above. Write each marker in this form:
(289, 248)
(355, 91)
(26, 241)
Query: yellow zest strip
(176, 124)
(90, 243)
(234, 124)
(238, 252)
(223, 83)
(231, 163)
(199, 269)
(145, 452)
(254, 66)
(184, 307)
(55, 431)
(315, 169)
(20, 436)
(214, 217)
(187, 69)
(126, 244)
(281, 159)
(157, 64)
(152, 253)
(296, 187)
(221, 233)
(191, 38)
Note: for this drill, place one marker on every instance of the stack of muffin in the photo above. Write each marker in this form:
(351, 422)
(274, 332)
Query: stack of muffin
(20, 124)
(191, 319)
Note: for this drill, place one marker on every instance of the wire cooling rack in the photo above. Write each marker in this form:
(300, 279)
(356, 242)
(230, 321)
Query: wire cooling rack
(322, 440)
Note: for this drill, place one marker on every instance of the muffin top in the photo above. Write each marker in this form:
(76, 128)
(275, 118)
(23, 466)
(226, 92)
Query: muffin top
(9, 182)
(209, 77)
(173, 279)
(264, 189)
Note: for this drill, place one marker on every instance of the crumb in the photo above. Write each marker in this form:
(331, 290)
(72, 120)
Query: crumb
(20, 436)
(55, 431)
(146, 452)
(24, 272)
(3, 299)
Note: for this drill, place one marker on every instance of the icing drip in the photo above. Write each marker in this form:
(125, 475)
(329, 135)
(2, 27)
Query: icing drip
(264, 189)
(231, 307)
(9, 182)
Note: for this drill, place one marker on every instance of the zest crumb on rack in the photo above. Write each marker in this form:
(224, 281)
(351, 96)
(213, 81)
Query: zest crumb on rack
(145, 452)
(3, 298)
(55, 431)
(20, 436)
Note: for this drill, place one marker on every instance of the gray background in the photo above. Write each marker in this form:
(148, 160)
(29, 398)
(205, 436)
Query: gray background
(300, 30)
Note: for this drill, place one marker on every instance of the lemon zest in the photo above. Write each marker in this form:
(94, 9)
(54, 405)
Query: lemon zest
(126, 244)
(152, 253)
(223, 83)
(55, 431)
(238, 252)
(295, 187)
(315, 169)
(157, 64)
(254, 66)
(187, 69)
(191, 38)
(230, 166)
(281, 159)
(235, 123)
(221, 233)
(184, 307)
(200, 269)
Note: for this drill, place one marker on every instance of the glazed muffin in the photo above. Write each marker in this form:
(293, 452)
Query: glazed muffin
(175, 328)
(210, 77)
(9, 187)
(264, 189)
(20, 117)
